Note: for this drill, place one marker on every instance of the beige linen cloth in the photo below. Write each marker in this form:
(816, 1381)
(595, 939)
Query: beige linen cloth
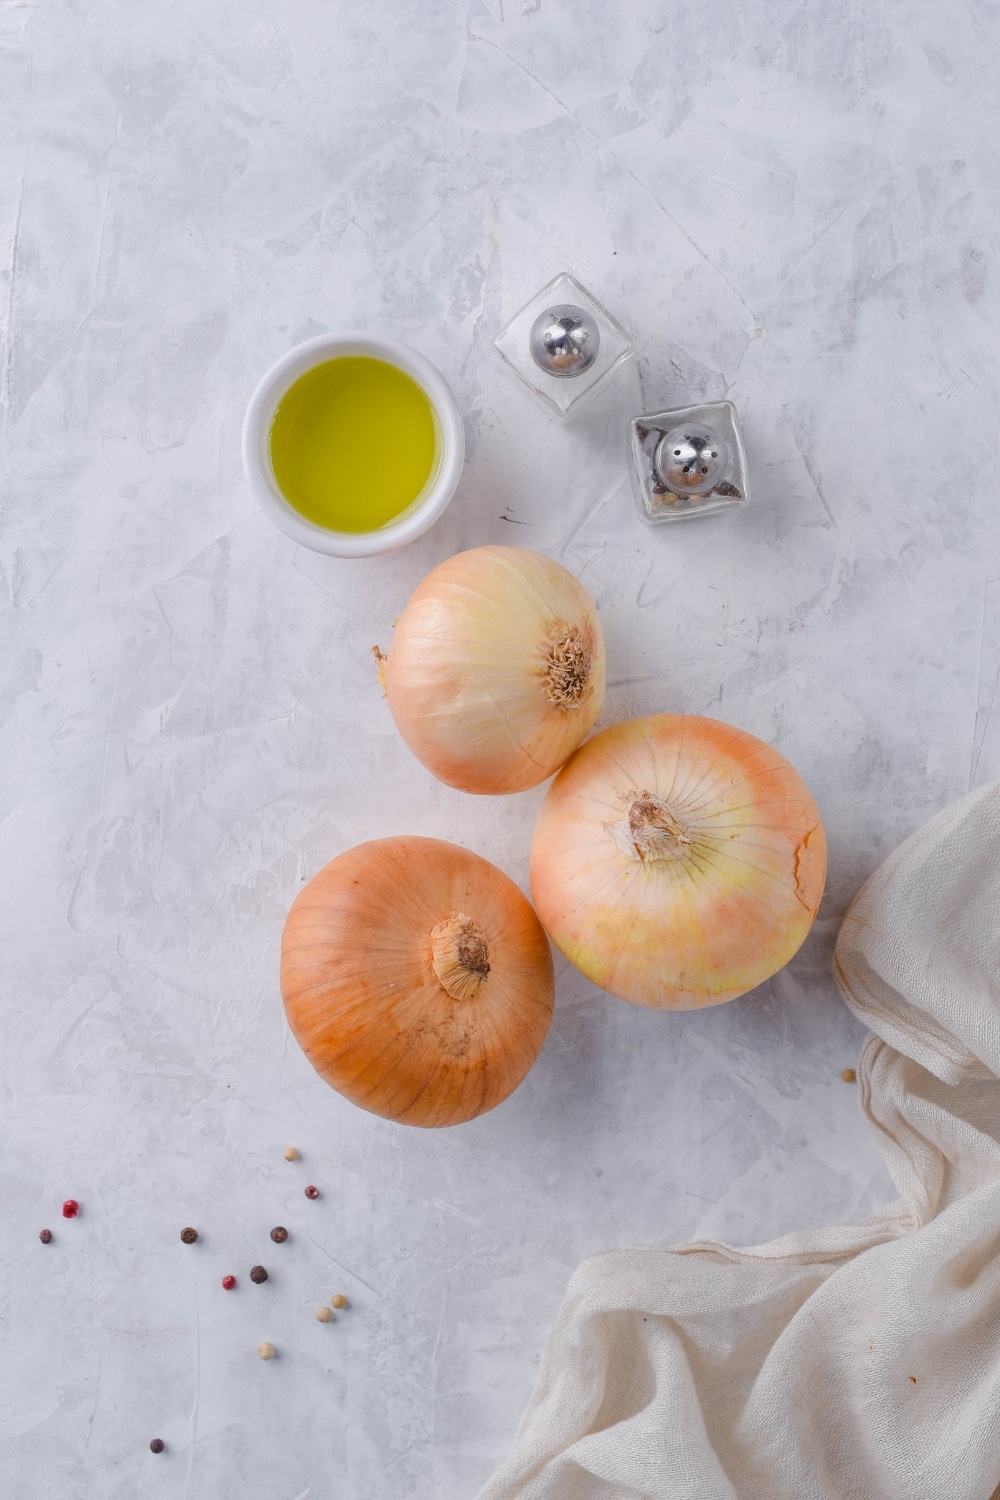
(861, 1361)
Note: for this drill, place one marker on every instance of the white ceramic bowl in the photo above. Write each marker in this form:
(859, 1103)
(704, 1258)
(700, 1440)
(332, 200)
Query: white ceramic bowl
(444, 476)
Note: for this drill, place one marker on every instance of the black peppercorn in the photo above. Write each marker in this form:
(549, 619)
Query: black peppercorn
(279, 1234)
(46, 1236)
(189, 1236)
(258, 1274)
(157, 1445)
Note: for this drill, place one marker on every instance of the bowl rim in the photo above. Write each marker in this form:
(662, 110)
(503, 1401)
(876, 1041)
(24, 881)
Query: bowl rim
(257, 427)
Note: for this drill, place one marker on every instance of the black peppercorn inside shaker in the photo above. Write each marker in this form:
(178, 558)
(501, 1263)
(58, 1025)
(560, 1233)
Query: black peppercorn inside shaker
(258, 1274)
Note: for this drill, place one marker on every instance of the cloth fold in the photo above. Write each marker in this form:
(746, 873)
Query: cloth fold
(860, 1362)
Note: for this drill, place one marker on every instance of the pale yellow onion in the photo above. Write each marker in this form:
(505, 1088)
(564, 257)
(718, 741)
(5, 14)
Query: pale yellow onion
(496, 669)
(677, 861)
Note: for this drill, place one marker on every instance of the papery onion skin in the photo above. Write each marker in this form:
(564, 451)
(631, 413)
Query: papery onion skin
(495, 673)
(362, 952)
(677, 861)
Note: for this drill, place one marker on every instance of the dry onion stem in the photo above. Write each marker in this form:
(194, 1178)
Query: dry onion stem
(677, 861)
(417, 980)
(567, 664)
(496, 669)
(380, 661)
(460, 955)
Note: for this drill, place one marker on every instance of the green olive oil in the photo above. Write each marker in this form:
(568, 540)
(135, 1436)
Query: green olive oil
(353, 443)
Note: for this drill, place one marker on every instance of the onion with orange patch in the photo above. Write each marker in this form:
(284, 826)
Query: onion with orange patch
(417, 980)
(678, 862)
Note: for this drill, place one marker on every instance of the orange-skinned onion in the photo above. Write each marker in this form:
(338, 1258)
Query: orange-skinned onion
(496, 669)
(417, 980)
(678, 862)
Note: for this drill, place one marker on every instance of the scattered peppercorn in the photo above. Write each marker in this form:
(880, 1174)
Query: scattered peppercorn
(339, 1301)
(324, 1315)
(157, 1445)
(279, 1234)
(266, 1350)
(70, 1208)
(46, 1236)
(312, 1192)
(258, 1274)
(189, 1235)
(849, 1075)
(228, 1282)
(291, 1154)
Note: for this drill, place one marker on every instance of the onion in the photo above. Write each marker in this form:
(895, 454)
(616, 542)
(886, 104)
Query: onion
(496, 669)
(417, 980)
(678, 862)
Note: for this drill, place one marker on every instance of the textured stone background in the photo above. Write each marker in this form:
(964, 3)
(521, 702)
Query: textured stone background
(792, 204)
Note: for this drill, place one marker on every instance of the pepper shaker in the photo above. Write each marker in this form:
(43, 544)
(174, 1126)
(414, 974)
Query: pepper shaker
(687, 462)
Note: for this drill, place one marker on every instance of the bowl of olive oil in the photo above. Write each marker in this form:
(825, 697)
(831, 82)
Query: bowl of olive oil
(353, 444)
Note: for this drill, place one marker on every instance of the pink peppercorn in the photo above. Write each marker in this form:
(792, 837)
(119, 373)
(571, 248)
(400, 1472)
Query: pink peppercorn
(70, 1208)
(228, 1282)
(312, 1192)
